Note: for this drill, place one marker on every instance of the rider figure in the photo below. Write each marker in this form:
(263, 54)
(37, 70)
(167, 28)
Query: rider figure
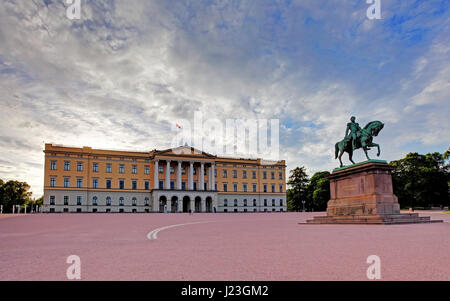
(354, 128)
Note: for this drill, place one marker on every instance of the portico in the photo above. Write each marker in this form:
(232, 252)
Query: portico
(184, 182)
(179, 201)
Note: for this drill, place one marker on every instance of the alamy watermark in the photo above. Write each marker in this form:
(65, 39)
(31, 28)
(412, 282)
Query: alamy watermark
(374, 269)
(73, 272)
(73, 11)
(243, 138)
(374, 10)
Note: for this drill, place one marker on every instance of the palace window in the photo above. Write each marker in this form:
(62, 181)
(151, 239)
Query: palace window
(95, 167)
(94, 201)
(109, 168)
(94, 183)
(172, 170)
(244, 186)
(52, 181)
(66, 182)
(161, 184)
(235, 202)
(108, 184)
(66, 165)
(147, 185)
(225, 173)
(79, 183)
(254, 203)
(265, 188)
(134, 202)
(235, 174)
(121, 184)
(272, 175)
(134, 184)
(254, 174)
(273, 203)
(225, 203)
(273, 187)
(244, 174)
(161, 169)
(53, 165)
(80, 166)
(225, 187)
(235, 187)
(172, 185)
(108, 201)
(264, 174)
(134, 169)
(183, 185)
(147, 202)
(121, 202)
(52, 200)
(254, 187)
(280, 176)
(281, 202)
(147, 170)
(79, 200)
(66, 200)
(121, 168)
(281, 187)
(245, 202)
(265, 202)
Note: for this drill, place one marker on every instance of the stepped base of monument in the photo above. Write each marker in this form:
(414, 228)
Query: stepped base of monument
(374, 219)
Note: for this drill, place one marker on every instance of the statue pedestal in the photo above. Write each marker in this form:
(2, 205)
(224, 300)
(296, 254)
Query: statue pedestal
(363, 194)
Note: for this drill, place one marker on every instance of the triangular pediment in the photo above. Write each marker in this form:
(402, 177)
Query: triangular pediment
(183, 151)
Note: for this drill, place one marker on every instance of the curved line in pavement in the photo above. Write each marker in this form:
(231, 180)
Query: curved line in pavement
(154, 234)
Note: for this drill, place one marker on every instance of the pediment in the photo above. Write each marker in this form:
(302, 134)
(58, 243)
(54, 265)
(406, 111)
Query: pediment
(184, 151)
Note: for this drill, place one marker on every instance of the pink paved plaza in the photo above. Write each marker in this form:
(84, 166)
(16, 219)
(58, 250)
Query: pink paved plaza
(266, 246)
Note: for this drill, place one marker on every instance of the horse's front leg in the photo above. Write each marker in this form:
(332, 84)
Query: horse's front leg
(377, 146)
(365, 147)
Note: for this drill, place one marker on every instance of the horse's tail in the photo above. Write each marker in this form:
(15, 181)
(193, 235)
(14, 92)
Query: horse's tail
(336, 150)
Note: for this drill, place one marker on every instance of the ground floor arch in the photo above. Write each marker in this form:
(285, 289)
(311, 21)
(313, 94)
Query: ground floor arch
(209, 204)
(186, 204)
(162, 203)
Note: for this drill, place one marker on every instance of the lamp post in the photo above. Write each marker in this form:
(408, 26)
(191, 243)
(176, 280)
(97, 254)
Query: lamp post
(303, 205)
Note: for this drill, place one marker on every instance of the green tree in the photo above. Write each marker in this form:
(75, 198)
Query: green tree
(13, 193)
(447, 154)
(421, 180)
(298, 182)
(318, 191)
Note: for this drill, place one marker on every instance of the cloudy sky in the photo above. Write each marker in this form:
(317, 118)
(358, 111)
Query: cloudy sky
(124, 73)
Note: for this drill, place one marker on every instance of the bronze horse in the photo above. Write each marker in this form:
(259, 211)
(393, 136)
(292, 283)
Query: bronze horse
(363, 140)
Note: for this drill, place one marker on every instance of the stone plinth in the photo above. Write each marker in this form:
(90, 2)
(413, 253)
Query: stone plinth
(363, 194)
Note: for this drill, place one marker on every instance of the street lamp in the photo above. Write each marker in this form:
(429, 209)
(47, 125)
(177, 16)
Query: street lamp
(303, 205)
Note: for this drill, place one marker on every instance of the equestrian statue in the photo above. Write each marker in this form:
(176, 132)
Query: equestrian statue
(357, 137)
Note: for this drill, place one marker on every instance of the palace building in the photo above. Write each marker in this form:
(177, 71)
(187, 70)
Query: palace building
(174, 181)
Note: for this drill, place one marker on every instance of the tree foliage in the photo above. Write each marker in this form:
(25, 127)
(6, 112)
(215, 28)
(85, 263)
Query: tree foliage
(318, 191)
(298, 181)
(13, 193)
(421, 180)
(315, 191)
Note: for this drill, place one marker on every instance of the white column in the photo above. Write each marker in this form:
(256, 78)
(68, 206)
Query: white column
(179, 175)
(168, 175)
(203, 205)
(202, 176)
(155, 175)
(191, 176)
(180, 205)
(213, 178)
(209, 178)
